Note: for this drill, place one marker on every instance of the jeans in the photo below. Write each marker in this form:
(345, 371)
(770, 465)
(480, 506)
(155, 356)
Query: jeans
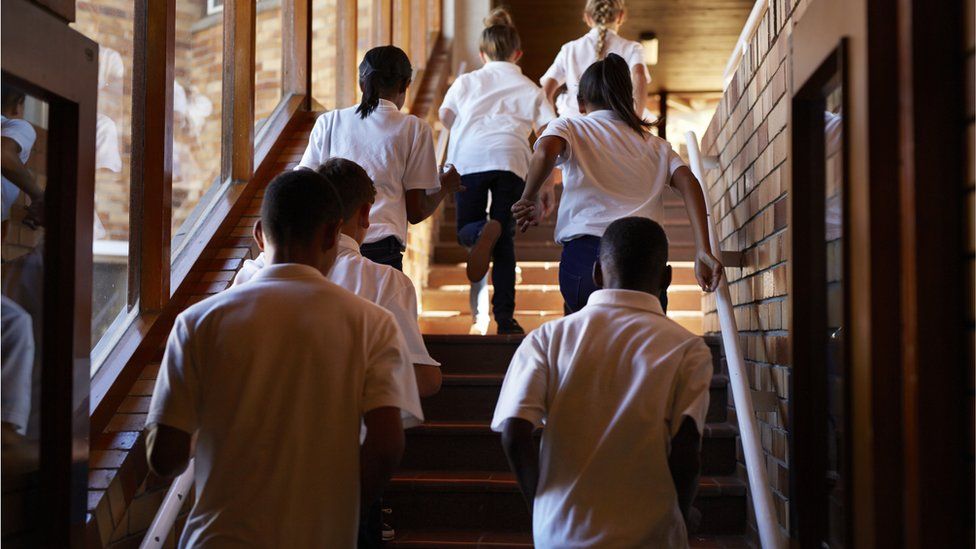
(387, 251)
(576, 273)
(472, 205)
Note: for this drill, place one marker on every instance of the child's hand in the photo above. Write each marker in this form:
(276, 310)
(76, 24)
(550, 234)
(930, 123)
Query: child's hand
(450, 180)
(526, 212)
(34, 217)
(708, 271)
(547, 200)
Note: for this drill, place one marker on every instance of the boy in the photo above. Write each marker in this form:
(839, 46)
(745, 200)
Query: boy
(380, 284)
(272, 379)
(17, 139)
(616, 385)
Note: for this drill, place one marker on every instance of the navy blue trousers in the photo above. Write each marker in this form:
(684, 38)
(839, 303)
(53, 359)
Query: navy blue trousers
(576, 273)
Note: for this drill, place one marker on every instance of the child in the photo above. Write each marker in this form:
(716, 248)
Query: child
(16, 142)
(380, 284)
(273, 378)
(612, 168)
(396, 150)
(491, 113)
(629, 466)
(604, 17)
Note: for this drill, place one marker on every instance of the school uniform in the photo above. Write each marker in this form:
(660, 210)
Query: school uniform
(396, 150)
(611, 384)
(495, 108)
(609, 172)
(17, 367)
(575, 57)
(24, 135)
(275, 377)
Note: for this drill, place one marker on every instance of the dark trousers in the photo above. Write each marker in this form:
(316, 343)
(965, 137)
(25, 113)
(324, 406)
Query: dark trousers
(388, 251)
(576, 273)
(371, 526)
(472, 215)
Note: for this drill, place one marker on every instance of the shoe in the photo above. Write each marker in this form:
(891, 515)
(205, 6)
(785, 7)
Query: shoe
(479, 257)
(510, 327)
(387, 531)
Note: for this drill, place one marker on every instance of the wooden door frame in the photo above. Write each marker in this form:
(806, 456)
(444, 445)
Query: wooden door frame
(59, 65)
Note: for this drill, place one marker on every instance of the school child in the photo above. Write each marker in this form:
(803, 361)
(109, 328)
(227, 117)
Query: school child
(629, 465)
(612, 168)
(380, 284)
(396, 149)
(17, 138)
(491, 113)
(273, 378)
(604, 18)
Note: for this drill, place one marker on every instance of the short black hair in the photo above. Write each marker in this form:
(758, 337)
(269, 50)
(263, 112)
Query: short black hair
(636, 249)
(296, 205)
(351, 181)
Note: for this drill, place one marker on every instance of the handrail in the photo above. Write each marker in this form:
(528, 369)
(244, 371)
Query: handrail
(758, 10)
(762, 497)
(162, 523)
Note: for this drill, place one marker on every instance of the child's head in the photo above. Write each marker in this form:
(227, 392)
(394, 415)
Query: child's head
(356, 191)
(385, 72)
(12, 101)
(633, 256)
(603, 15)
(500, 41)
(606, 85)
(300, 218)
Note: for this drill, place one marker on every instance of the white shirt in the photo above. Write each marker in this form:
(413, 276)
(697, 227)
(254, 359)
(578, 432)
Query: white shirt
(611, 384)
(24, 135)
(609, 172)
(395, 149)
(575, 57)
(275, 376)
(380, 284)
(17, 365)
(496, 109)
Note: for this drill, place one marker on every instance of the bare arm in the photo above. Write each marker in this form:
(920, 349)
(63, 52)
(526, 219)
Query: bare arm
(421, 205)
(527, 211)
(168, 450)
(523, 457)
(381, 451)
(549, 87)
(708, 269)
(685, 464)
(428, 379)
(638, 76)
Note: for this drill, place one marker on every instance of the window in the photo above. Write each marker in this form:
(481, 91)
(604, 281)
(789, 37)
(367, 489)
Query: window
(267, 61)
(324, 53)
(215, 6)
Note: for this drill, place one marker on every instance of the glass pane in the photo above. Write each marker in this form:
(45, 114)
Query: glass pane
(196, 112)
(365, 38)
(25, 126)
(834, 240)
(110, 24)
(324, 52)
(267, 62)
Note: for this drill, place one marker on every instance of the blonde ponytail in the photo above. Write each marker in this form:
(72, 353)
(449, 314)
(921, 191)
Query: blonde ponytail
(603, 13)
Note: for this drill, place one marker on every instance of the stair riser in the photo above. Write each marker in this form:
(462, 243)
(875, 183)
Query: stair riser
(452, 253)
(427, 451)
(443, 275)
(473, 358)
(535, 300)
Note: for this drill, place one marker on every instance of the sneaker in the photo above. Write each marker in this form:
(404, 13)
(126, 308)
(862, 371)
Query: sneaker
(479, 257)
(510, 327)
(387, 531)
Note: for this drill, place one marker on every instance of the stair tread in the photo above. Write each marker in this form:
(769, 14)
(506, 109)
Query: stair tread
(722, 429)
(436, 539)
(718, 380)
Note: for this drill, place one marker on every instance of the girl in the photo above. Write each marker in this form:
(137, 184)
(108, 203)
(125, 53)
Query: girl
(612, 168)
(604, 17)
(396, 149)
(491, 113)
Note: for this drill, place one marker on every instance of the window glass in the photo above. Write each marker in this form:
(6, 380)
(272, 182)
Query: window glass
(197, 81)
(324, 53)
(109, 23)
(267, 61)
(365, 38)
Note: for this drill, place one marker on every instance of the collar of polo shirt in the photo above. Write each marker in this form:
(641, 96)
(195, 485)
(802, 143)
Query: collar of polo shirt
(503, 65)
(288, 270)
(627, 298)
(347, 242)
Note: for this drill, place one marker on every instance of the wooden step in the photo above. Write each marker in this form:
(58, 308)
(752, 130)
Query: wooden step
(491, 501)
(543, 298)
(475, 539)
(473, 446)
(677, 231)
(545, 251)
(458, 324)
(537, 272)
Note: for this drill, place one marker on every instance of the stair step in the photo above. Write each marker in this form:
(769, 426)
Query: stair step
(538, 297)
(448, 323)
(475, 539)
(472, 397)
(541, 272)
(677, 231)
(473, 446)
(452, 252)
(464, 354)
(491, 501)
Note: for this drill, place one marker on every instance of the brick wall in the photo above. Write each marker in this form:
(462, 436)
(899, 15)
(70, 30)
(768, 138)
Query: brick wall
(748, 196)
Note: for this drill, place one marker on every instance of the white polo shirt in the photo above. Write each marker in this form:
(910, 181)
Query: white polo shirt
(24, 135)
(575, 57)
(609, 172)
(496, 109)
(380, 284)
(395, 149)
(611, 385)
(275, 377)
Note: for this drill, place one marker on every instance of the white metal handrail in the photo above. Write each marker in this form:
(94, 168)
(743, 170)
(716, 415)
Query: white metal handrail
(162, 523)
(742, 44)
(770, 534)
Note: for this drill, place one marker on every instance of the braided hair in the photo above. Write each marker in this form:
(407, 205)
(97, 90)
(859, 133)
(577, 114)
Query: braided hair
(606, 84)
(603, 13)
(384, 69)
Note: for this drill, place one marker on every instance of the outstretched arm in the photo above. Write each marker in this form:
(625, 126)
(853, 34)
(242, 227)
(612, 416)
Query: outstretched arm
(421, 205)
(527, 210)
(523, 457)
(708, 269)
(550, 87)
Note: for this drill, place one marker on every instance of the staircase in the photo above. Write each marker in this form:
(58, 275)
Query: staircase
(445, 306)
(454, 488)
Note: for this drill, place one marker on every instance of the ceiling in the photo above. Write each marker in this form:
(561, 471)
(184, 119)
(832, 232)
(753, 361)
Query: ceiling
(696, 37)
